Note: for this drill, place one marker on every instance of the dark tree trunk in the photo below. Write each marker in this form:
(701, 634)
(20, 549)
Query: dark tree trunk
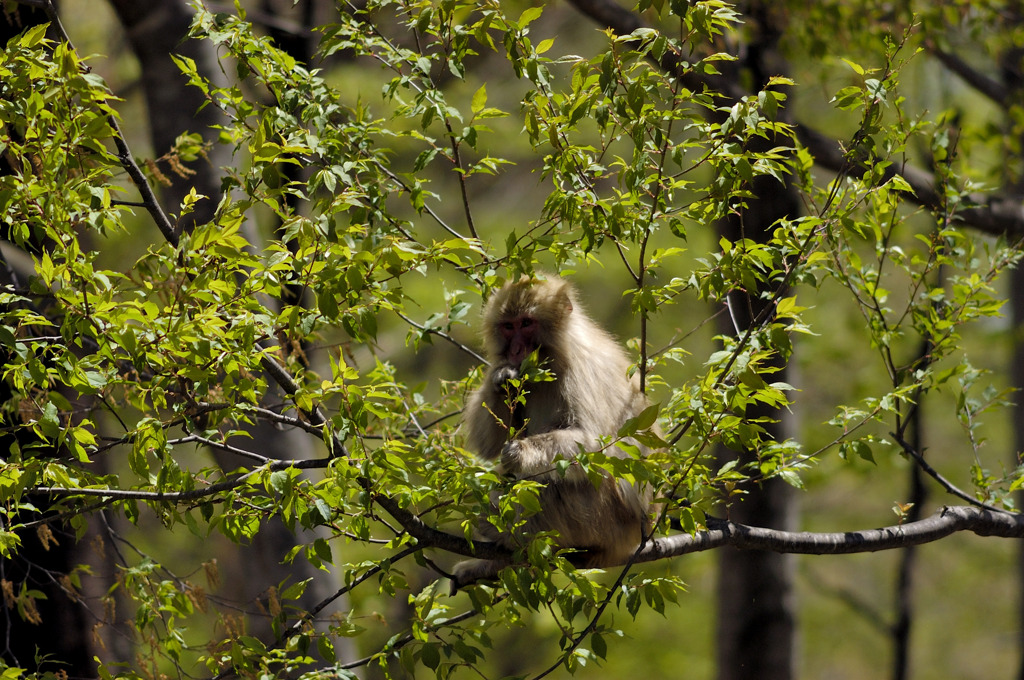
(156, 30)
(756, 624)
(1017, 382)
(756, 630)
(917, 496)
(1012, 67)
(61, 629)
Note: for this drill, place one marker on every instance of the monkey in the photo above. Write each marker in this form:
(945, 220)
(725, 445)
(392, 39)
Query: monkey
(590, 396)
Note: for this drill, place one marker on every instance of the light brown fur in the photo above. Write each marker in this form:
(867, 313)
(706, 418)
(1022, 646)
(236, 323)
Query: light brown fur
(590, 397)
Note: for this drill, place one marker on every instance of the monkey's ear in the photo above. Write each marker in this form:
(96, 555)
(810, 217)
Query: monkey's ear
(565, 298)
(560, 301)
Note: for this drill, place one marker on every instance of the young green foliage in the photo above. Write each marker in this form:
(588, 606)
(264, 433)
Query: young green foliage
(355, 205)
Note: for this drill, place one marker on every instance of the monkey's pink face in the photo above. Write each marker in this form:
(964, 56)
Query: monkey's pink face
(521, 336)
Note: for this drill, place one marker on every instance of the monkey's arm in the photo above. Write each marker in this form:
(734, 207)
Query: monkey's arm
(489, 421)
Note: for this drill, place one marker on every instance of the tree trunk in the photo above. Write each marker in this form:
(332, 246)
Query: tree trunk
(1017, 382)
(756, 631)
(1012, 72)
(156, 30)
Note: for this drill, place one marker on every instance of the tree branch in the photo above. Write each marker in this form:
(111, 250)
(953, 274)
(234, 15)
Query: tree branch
(934, 474)
(946, 521)
(429, 537)
(983, 521)
(444, 336)
(179, 496)
(989, 87)
(994, 215)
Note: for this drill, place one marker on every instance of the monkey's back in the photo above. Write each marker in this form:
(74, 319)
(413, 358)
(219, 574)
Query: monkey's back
(595, 385)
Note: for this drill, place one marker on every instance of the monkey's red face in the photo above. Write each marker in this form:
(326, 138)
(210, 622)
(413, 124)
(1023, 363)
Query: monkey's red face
(521, 336)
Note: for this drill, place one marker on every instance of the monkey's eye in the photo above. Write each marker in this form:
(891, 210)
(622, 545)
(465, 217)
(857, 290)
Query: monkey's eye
(527, 322)
(508, 325)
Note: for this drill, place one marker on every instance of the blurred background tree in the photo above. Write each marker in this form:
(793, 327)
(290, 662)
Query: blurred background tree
(753, 196)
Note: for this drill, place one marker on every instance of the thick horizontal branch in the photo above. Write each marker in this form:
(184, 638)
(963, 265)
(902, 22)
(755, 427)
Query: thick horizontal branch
(947, 521)
(720, 533)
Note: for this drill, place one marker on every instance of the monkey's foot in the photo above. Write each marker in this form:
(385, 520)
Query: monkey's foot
(469, 572)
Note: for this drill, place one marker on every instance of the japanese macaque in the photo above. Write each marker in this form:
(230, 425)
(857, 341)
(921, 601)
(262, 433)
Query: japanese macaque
(590, 396)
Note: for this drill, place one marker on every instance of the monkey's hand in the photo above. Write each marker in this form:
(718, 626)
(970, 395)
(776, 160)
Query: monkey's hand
(502, 374)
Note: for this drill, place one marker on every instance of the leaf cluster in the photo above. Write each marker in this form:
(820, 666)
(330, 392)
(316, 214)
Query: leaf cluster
(116, 379)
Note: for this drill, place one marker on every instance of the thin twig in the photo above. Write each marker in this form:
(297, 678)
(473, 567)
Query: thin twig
(444, 336)
(934, 474)
(182, 496)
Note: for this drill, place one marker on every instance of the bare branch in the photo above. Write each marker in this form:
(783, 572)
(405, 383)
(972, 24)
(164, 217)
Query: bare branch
(946, 521)
(323, 604)
(180, 496)
(124, 154)
(989, 214)
(221, 446)
(400, 642)
(429, 537)
(282, 419)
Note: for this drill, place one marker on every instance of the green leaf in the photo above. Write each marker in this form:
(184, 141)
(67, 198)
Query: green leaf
(857, 68)
(529, 15)
(33, 35)
(323, 550)
(479, 99)
(430, 655)
(599, 646)
(325, 648)
(642, 421)
(295, 590)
